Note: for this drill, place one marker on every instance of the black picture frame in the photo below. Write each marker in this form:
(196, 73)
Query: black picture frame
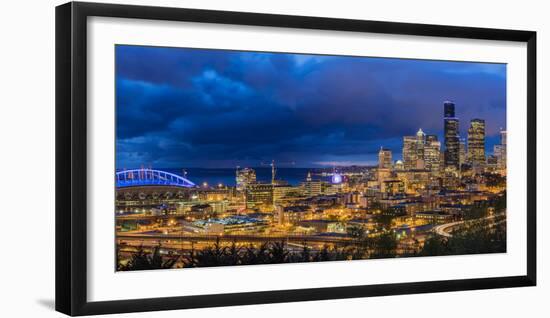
(71, 157)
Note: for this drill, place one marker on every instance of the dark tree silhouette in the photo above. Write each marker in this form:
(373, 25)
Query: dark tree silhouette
(143, 261)
(384, 246)
(480, 237)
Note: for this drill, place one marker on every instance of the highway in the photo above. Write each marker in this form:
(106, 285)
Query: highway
(133, 217)
(232, 237)
(445, 229)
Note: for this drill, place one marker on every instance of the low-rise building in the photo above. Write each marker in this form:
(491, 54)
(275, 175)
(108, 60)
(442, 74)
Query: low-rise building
(435, 216)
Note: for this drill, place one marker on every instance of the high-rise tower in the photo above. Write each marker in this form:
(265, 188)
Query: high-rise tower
(476, 141)
(245, 177)
(384, 159)
(448, 109)
(419, 149)
(432, 150)
(462, 151)
(500, 150)
(410, 155)
(452, 141)
(503, 138)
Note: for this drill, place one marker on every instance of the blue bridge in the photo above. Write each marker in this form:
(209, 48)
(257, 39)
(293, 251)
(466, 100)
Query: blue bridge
(150, 177)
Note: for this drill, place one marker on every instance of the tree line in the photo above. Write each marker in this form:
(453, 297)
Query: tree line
(476, 239)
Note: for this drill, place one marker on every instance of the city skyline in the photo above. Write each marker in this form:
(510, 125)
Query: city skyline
(414, 158)
(228, 108)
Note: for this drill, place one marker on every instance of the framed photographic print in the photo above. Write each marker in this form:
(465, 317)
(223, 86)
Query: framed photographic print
(209, 158)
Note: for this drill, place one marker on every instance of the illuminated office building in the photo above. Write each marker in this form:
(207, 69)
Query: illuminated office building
(392, 187)
(259, 196)
(431, 139)
(503, 137)
(281, 192)
(420, 143)
(432, 150)
(492, 162)
(462, 156)
(311, 187)
(384, 159)
(409, 152)
(452, 143)
(476, 142)
(421, 152)
(383, 174)
(244, 177)
(499, 151)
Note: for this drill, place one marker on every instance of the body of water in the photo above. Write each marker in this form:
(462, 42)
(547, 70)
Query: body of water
(227, 176)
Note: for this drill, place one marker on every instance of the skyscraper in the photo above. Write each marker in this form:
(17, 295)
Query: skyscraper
(420, 149)
(244, 177)
(448, 109)
(476, 142)
(432, 149)
(420, 143)
(384, 159)
(499, 151)
(503, 142)
(452, 146)
(409, 152)
(462, 152)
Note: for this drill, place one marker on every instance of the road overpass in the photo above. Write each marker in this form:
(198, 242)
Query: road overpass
(232, 237)
(446, 229)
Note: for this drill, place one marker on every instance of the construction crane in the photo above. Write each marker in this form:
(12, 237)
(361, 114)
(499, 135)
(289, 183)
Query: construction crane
(274, 169)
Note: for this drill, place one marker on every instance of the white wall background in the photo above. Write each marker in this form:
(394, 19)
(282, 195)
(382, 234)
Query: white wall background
(27, 157)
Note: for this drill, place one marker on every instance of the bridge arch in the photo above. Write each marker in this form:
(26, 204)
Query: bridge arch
(150, 177)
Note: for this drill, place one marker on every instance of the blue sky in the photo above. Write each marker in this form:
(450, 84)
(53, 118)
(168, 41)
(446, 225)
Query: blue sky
(178, 107)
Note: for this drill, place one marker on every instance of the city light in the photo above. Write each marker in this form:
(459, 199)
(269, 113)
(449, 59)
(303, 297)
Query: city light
(307, 164)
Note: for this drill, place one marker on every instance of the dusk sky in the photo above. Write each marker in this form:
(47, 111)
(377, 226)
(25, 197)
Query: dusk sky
(213, 108)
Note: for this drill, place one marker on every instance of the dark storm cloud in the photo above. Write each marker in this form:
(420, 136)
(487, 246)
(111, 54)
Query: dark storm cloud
(189, 107)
